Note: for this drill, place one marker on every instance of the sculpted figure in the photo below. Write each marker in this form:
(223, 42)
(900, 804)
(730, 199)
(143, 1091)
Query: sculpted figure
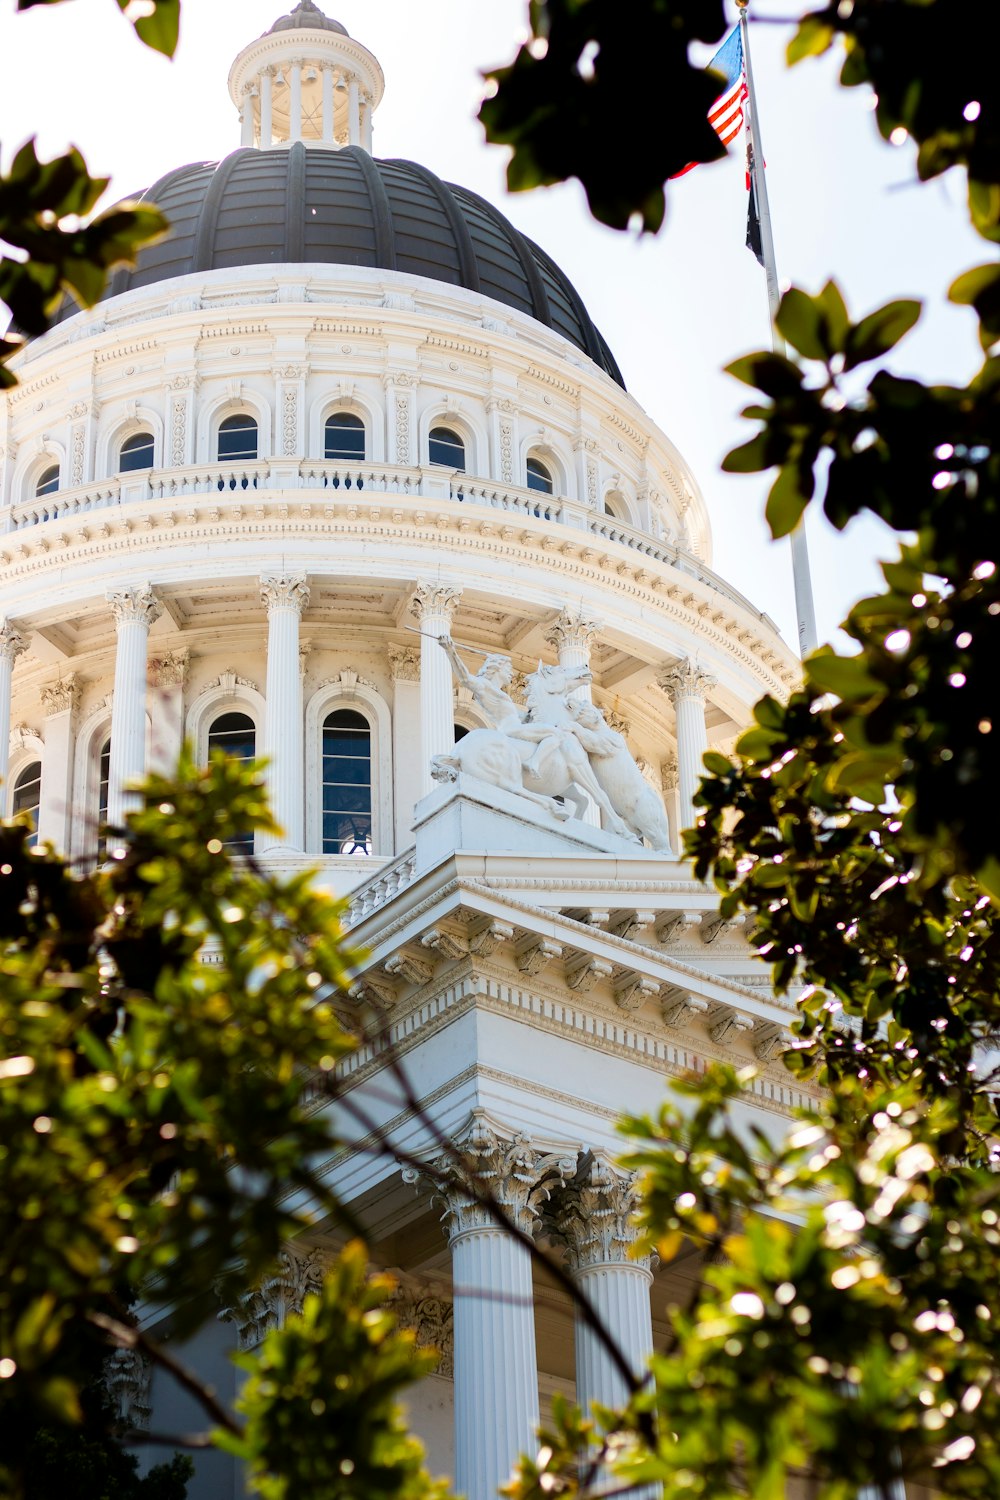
(542, 744)
(629, 794)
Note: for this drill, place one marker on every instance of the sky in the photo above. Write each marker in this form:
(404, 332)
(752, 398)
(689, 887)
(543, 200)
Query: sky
(675, 308)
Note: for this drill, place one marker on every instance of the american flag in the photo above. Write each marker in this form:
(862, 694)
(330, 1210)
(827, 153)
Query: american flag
(726, 114)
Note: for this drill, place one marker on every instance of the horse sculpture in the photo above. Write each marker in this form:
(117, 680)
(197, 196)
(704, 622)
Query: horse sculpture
(545, 737)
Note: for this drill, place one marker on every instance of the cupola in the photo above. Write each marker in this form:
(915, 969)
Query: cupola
(306, 80)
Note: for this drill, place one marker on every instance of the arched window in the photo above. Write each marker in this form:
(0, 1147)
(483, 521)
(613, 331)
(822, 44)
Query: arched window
(136, 453)
(234, 734)
(237, 438)
(539, 477)
(103, 780)
(347, 783)
(27, 796)
(47, 482)
(446, 447)
(461, 730)
(344, 436)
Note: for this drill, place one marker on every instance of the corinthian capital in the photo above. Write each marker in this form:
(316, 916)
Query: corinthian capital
(434, 600)
(284, 591)
(136, 604)
(12, 642)
(572, 628)
(61, 695)
(487, 1170)
(686, 679)
(594, 1215)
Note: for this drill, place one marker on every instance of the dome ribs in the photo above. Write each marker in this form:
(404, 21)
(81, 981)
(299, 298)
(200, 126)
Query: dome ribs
(295, 216)
(539, 299)
(385, 239)
(466, 250)
(203, 257)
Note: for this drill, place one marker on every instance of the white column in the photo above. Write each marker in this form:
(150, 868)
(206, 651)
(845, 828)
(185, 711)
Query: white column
(59, 700)
(12, 643)
(571, 635)
(135, 608)
(328, 135)
(266, 127)
(687, 685)
(496, 1369)
(167, 675)
(366, 124)
(353, 113)
(285, 596)
(246, 120)
(404, 668)
(594, 1217)
(295, 102)
(434, 604)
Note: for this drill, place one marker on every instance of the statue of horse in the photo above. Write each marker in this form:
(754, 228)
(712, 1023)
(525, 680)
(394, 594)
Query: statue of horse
(560, 765)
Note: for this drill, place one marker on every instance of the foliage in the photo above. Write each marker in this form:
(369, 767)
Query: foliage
(158, 1021)
(45, 221)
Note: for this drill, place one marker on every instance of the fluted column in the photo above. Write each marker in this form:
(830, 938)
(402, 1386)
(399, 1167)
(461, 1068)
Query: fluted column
(687, 686)
(496, 1371)
(434, 604)
(295, 102)
(266, 124)
(285, 596)
(135, 608)
(353, 113)
(571, 635)
(593, 1215)
(12, 643)
(59, 701)
(328, 134)
(366, 123)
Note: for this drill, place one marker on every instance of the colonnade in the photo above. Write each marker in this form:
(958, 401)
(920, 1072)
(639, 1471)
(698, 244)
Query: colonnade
(312, 112)
(582, 1203)
(135, 607)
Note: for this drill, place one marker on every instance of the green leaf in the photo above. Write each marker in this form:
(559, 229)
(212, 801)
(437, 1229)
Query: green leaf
(749, 457)
(880, 331)
(718, 765)
(160, 29)
(845, 676)
(813, 37)
(786, 502)
(770, 373)
(980, 288)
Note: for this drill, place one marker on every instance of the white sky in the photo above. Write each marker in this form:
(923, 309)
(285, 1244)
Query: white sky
(674, 309)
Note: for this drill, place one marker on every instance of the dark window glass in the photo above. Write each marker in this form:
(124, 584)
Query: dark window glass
(446, 447)
(103, 781)
(235, 734)
(539, 477)
(460, 732)
(136, 453)
(27, 795)
(237, 438)
(345, 436)
(347, 783)
(48, 481)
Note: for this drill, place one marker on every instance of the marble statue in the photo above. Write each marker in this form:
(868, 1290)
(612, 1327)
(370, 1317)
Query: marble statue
(543, 753)
(621, 780)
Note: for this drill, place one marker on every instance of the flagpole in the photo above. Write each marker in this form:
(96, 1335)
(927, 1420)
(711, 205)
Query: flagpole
(804, 606)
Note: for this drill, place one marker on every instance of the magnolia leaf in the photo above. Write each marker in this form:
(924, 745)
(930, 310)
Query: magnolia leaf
(787, 501)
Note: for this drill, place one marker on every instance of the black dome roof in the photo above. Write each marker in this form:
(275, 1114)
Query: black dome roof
(344, 208)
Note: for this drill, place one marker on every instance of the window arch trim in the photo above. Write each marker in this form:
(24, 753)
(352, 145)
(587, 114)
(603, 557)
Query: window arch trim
(369, 703)
(215, 413)
(476, 444)
(30, 749)
(211, 703)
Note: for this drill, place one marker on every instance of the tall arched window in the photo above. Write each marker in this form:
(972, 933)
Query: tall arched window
(446, 447)
(344, 436)
(347, 783)
(539, 477)
(28, 795)
(103, 780)
(237, 438)
(234, 734)
(136, 452)
(461, 730)
(47, 482)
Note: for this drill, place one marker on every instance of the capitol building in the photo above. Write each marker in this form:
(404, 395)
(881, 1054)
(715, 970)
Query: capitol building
(346, 411)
